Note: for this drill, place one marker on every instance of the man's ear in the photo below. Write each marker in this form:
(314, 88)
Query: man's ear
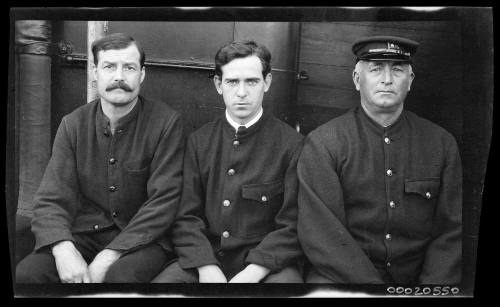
(217, 83)
(143, 73)
(355, 79)
(412, 76)
(267, 82)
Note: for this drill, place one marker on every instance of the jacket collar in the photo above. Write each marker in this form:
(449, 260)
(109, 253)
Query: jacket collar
(393, 131)
(122, 123)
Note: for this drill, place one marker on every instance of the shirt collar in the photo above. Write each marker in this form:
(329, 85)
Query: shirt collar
(235, 125)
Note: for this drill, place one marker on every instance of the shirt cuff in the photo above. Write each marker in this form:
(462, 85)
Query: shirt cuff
(126, 242)
(47, 238)
(265, 260)
(194, 257)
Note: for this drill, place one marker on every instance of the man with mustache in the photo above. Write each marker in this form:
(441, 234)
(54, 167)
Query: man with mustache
(237, 218)
(380, 189)
(113, 182)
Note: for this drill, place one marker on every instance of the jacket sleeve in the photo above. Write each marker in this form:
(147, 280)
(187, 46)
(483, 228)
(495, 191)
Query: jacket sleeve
(281, 247)
(190, 232)
(164, 186)
(56, 200)
(321, 219)
(442, 264)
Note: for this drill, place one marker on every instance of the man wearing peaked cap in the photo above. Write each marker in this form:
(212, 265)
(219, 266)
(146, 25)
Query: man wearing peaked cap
(380, 188)
(382, 48)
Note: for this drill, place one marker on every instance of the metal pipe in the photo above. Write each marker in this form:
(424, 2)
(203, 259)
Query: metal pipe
(33, 61)
(95, 31)
(82, 59)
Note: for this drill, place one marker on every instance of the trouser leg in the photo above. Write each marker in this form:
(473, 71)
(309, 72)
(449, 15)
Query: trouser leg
(173, 273)
(40, 266)
(139, 266)
(315, 277)
(37, 267)
(290, 274)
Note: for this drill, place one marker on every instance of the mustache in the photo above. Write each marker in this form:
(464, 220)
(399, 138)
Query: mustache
(120, 84)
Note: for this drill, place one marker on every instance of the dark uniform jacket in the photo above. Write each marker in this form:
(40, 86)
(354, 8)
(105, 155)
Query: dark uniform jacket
(95, 179)
(376, 202)
(239, 201)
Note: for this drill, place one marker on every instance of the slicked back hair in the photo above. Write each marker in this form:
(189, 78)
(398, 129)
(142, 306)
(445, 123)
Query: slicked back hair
(243, 49)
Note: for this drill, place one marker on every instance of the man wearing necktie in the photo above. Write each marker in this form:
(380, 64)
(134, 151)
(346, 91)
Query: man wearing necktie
(237, 217)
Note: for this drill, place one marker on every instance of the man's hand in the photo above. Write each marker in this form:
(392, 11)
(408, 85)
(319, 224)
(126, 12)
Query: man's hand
(211, 273)
(101, 264)
(71, 266)
(253, 273)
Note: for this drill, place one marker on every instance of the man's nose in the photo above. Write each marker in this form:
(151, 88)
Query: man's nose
(387, 75)
(118, 74)
(241, 91)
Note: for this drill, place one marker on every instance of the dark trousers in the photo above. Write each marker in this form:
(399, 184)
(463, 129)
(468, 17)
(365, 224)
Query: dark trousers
(173, 273)
(138, 266)
(313, 276)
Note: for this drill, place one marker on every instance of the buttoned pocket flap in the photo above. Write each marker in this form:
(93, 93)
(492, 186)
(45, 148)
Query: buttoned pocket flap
(262, 192)
(426, 187)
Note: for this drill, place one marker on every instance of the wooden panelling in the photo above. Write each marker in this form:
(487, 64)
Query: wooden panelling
(189, 41)
(327, 97)
(279, 37)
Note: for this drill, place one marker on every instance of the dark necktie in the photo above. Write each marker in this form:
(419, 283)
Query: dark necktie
(241, 130)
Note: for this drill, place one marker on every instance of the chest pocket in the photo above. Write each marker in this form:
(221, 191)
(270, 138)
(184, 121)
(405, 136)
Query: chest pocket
(261, 203)
(136, 175)
(419, 205)
(262, 193)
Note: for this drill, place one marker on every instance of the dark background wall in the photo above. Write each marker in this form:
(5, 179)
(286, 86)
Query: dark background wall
(453, 66)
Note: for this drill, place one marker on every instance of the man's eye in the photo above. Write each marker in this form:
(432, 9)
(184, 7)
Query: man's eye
(108, 66)
(130, 68)
(232, 82)
(375, 69)
(252, 82)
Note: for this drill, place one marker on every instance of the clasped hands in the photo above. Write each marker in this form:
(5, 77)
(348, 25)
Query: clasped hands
(72, 268)
(252, 273)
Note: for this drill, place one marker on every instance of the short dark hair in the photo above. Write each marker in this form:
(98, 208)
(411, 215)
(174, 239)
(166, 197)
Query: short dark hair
(242, 49)
(116, 41)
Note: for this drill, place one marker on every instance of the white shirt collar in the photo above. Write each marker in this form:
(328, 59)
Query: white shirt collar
(250, 123)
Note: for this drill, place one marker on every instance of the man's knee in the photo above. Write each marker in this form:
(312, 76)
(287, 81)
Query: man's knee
(288, 275)
(37, 268)
(140, 266)
(314, 277)
(131, 272)
(175, 274)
